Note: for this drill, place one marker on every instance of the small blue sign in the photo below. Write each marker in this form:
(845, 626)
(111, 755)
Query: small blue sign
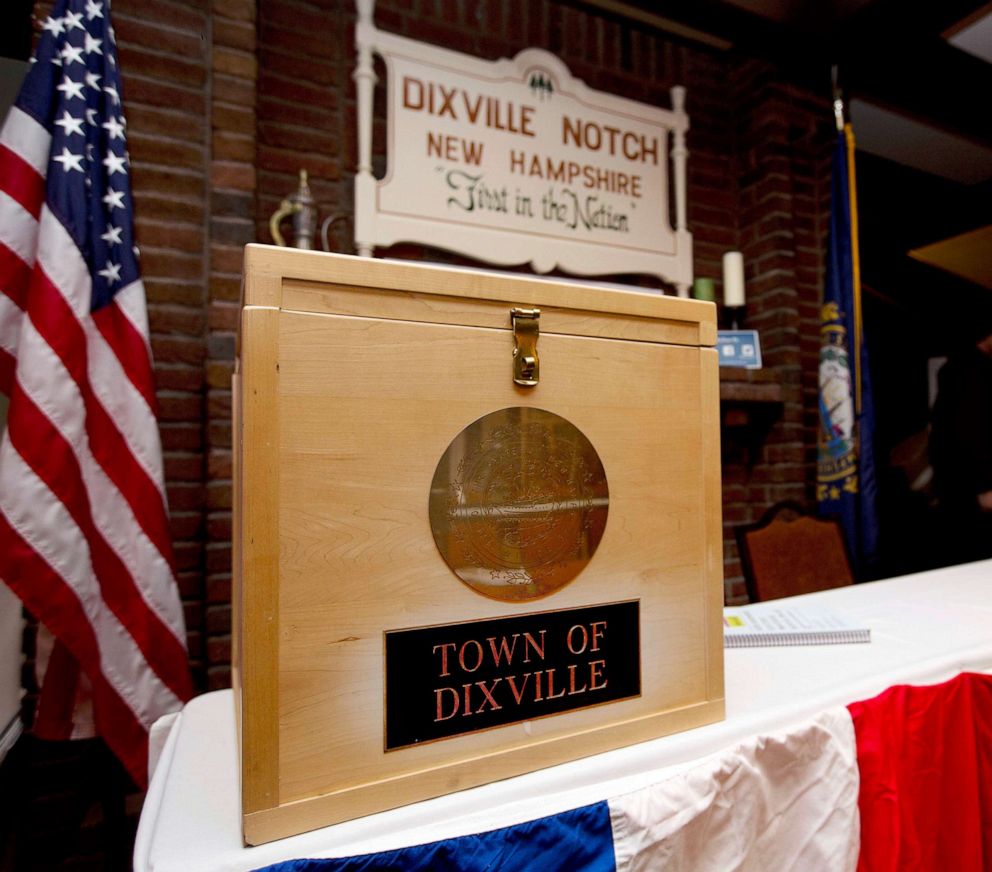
(739, 348)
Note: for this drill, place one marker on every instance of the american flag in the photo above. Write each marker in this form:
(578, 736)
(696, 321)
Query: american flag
(84, 534)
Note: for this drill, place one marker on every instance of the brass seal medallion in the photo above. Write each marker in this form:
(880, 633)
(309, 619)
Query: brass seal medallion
(518, 503)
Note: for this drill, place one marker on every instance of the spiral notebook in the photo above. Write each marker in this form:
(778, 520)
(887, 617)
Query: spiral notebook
(789, 625)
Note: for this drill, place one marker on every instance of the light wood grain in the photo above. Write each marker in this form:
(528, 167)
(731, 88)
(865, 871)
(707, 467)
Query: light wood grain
(308, 814)
(259, 574)
(408, 306)
(289, 266)
(344, 418)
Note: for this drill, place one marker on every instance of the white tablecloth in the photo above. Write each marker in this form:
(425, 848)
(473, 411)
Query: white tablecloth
(925, 628)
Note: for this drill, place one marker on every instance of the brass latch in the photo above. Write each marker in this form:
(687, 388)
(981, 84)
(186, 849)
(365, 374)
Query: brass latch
(526, 329)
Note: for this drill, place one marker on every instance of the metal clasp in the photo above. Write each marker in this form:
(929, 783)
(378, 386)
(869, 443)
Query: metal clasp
(526, 329)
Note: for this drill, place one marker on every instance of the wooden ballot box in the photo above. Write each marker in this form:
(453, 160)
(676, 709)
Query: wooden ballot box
(477, 529)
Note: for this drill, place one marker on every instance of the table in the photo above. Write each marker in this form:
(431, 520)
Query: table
(925, 628)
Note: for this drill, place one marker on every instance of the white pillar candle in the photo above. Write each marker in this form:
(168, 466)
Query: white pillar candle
(733, 279)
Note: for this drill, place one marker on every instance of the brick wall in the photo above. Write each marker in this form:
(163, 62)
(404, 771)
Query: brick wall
(164, 59)
(228, 99)
(757, 181)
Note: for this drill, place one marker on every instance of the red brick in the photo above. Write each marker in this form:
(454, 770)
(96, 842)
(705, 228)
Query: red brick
(219, 649)
(317, 115)
(162, 262)
(183, 497)
(176, 319)
(219, 589)
(171, 40)
(219, 558)
(219, 464)
(219, 373)
(226, 259)
(288, 162)
(218, 678)
(169, 68)
(186, 525)
(233, 91)
(290, 65)
(297, 18)
(189, 584)
(313, 44)
(155, 92)
(219, 526)
(233, 147)
(233, 119)
(181, 437)
(218, 619)
(218, 495)
(219, 436)
(234, 62)
(294, 90)
(224, 316)
(163, 290)
(174, 183)
(169, 122)
(187, 555)
(179, 407)
(187, 238)
(240, 10)
(165, 208)
(234, 34)
(234, 176)
(225, 288)
(193, 616)
(173, 349)
(219, 404)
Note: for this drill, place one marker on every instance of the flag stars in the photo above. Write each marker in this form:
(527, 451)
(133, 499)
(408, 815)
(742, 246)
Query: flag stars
(112, 272)
(114, 96)
(71, 89)
(69, 124)
(114, 128)
(72, 54)
(113, 235)
(73, 20)
(91, 117)
(114, 164)
(54, 26)
(69, 160)
(93, 81)
(114, 199)
(93, 10)
(91, 44)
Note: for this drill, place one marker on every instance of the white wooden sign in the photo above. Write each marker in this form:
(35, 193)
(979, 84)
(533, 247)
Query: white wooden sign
(515, 161)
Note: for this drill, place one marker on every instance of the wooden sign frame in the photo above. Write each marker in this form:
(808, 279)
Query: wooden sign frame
(568, 210)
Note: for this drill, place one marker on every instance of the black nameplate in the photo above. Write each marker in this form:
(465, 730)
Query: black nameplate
(459, 678)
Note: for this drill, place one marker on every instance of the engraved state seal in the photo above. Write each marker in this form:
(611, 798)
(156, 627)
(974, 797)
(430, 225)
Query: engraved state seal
(518, 503)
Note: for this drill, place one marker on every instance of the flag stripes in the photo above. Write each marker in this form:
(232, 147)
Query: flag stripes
(84, 534)
(43, 590)
(20, 182)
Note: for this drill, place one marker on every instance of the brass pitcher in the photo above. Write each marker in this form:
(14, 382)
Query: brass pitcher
(302, 207)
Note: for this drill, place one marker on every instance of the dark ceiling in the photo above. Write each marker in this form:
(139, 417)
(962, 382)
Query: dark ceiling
(889, 51)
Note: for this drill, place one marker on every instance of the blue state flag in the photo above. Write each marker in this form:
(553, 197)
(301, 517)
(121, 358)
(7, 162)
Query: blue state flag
(845, 459)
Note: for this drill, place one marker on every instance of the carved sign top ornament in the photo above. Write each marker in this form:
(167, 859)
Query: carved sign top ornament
(515, 161)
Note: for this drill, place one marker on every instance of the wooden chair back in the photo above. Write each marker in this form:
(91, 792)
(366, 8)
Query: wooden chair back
(790, 551)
